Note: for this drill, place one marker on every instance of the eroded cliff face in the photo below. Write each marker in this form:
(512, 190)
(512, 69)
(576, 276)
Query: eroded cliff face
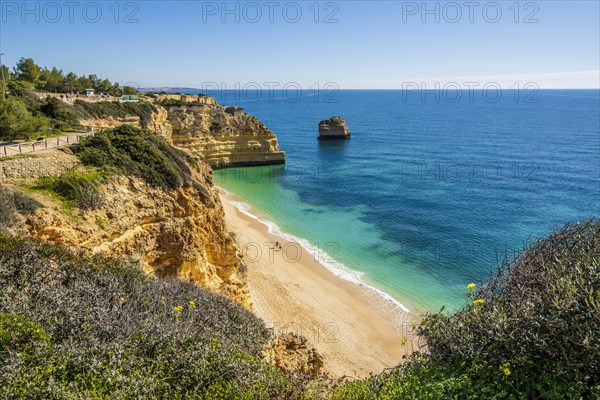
(157, 123)
(179, 233)
(223, 136)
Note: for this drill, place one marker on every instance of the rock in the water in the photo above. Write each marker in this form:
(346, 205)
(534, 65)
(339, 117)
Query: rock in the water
(334, 128)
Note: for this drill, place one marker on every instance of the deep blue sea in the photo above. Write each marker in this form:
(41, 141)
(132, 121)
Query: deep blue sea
(429, 194)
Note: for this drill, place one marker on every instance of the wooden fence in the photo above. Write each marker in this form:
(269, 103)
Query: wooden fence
(9, 150)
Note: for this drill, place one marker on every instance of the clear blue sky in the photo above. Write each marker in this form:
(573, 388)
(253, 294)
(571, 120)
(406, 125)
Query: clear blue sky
(373, 44)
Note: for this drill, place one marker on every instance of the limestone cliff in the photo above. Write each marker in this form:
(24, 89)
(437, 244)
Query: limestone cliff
(224, 136)
(333, 128)
(221, 136)
(178, 233)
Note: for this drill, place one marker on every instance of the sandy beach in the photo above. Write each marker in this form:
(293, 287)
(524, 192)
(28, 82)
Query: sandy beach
(355, 329)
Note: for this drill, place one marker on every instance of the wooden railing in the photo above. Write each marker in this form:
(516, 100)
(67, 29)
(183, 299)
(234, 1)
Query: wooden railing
(16, 149)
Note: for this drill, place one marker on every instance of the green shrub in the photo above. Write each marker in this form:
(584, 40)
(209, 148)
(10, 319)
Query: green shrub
(11, 203)
(19, 334)
(533, 331)
(18, 122)
(95, 327)
(103, 109)
(178, 103)
(75, 188)
(132, 151)
(63, 116)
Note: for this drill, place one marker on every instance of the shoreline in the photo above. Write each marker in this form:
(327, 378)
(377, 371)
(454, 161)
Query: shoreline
(358, 329)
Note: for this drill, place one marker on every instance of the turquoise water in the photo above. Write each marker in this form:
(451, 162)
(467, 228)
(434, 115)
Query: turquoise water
(427, 196)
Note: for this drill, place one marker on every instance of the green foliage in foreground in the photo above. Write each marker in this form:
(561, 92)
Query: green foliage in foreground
(96, 328)
(533, 331)
(134, 152)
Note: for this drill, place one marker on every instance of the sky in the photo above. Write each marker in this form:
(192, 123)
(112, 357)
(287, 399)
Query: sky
(310, 44)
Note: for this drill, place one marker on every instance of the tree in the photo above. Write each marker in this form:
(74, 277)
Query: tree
(16, 122)
(19, 88)
(27, 70)
(94, 81)
(52, 80)
(70, 82)
(116, 90)
(128, 90)
(83, 83)
(105, 86)
(5, 73)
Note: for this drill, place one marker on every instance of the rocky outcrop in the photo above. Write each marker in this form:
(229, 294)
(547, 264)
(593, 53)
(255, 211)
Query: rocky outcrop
(223, 136)
(159, 123)
(185, 98)
(291, 354)
(179, 233)
(333, 128)
(110, 122)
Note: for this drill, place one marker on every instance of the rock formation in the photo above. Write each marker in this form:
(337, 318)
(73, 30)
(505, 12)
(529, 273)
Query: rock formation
(178, 233)
(184, 98)
(292, 354)
(333, 128)
(223, 136)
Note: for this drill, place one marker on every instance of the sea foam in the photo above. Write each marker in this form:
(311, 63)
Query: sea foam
(336, 267)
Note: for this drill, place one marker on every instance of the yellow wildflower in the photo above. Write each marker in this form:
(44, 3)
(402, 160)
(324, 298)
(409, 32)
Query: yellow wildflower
(404, 339)
(506, 371)
(471, 286)
(478, 302)
(177, 309)
(192, 304)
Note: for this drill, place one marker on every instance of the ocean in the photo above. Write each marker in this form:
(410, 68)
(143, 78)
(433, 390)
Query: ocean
(432, 192)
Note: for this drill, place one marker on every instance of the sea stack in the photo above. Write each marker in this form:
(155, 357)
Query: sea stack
(333, 128)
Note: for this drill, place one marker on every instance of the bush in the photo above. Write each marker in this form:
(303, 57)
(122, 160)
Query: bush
(19, 334)
(63, 116)
(12, 203)
(132, 151)
(18, 122)
(77, 189)
(105, 109)
(533, 331)
(94, 327)
(178, 103)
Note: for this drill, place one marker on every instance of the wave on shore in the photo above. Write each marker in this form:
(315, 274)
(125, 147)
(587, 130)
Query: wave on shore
(334, 266)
